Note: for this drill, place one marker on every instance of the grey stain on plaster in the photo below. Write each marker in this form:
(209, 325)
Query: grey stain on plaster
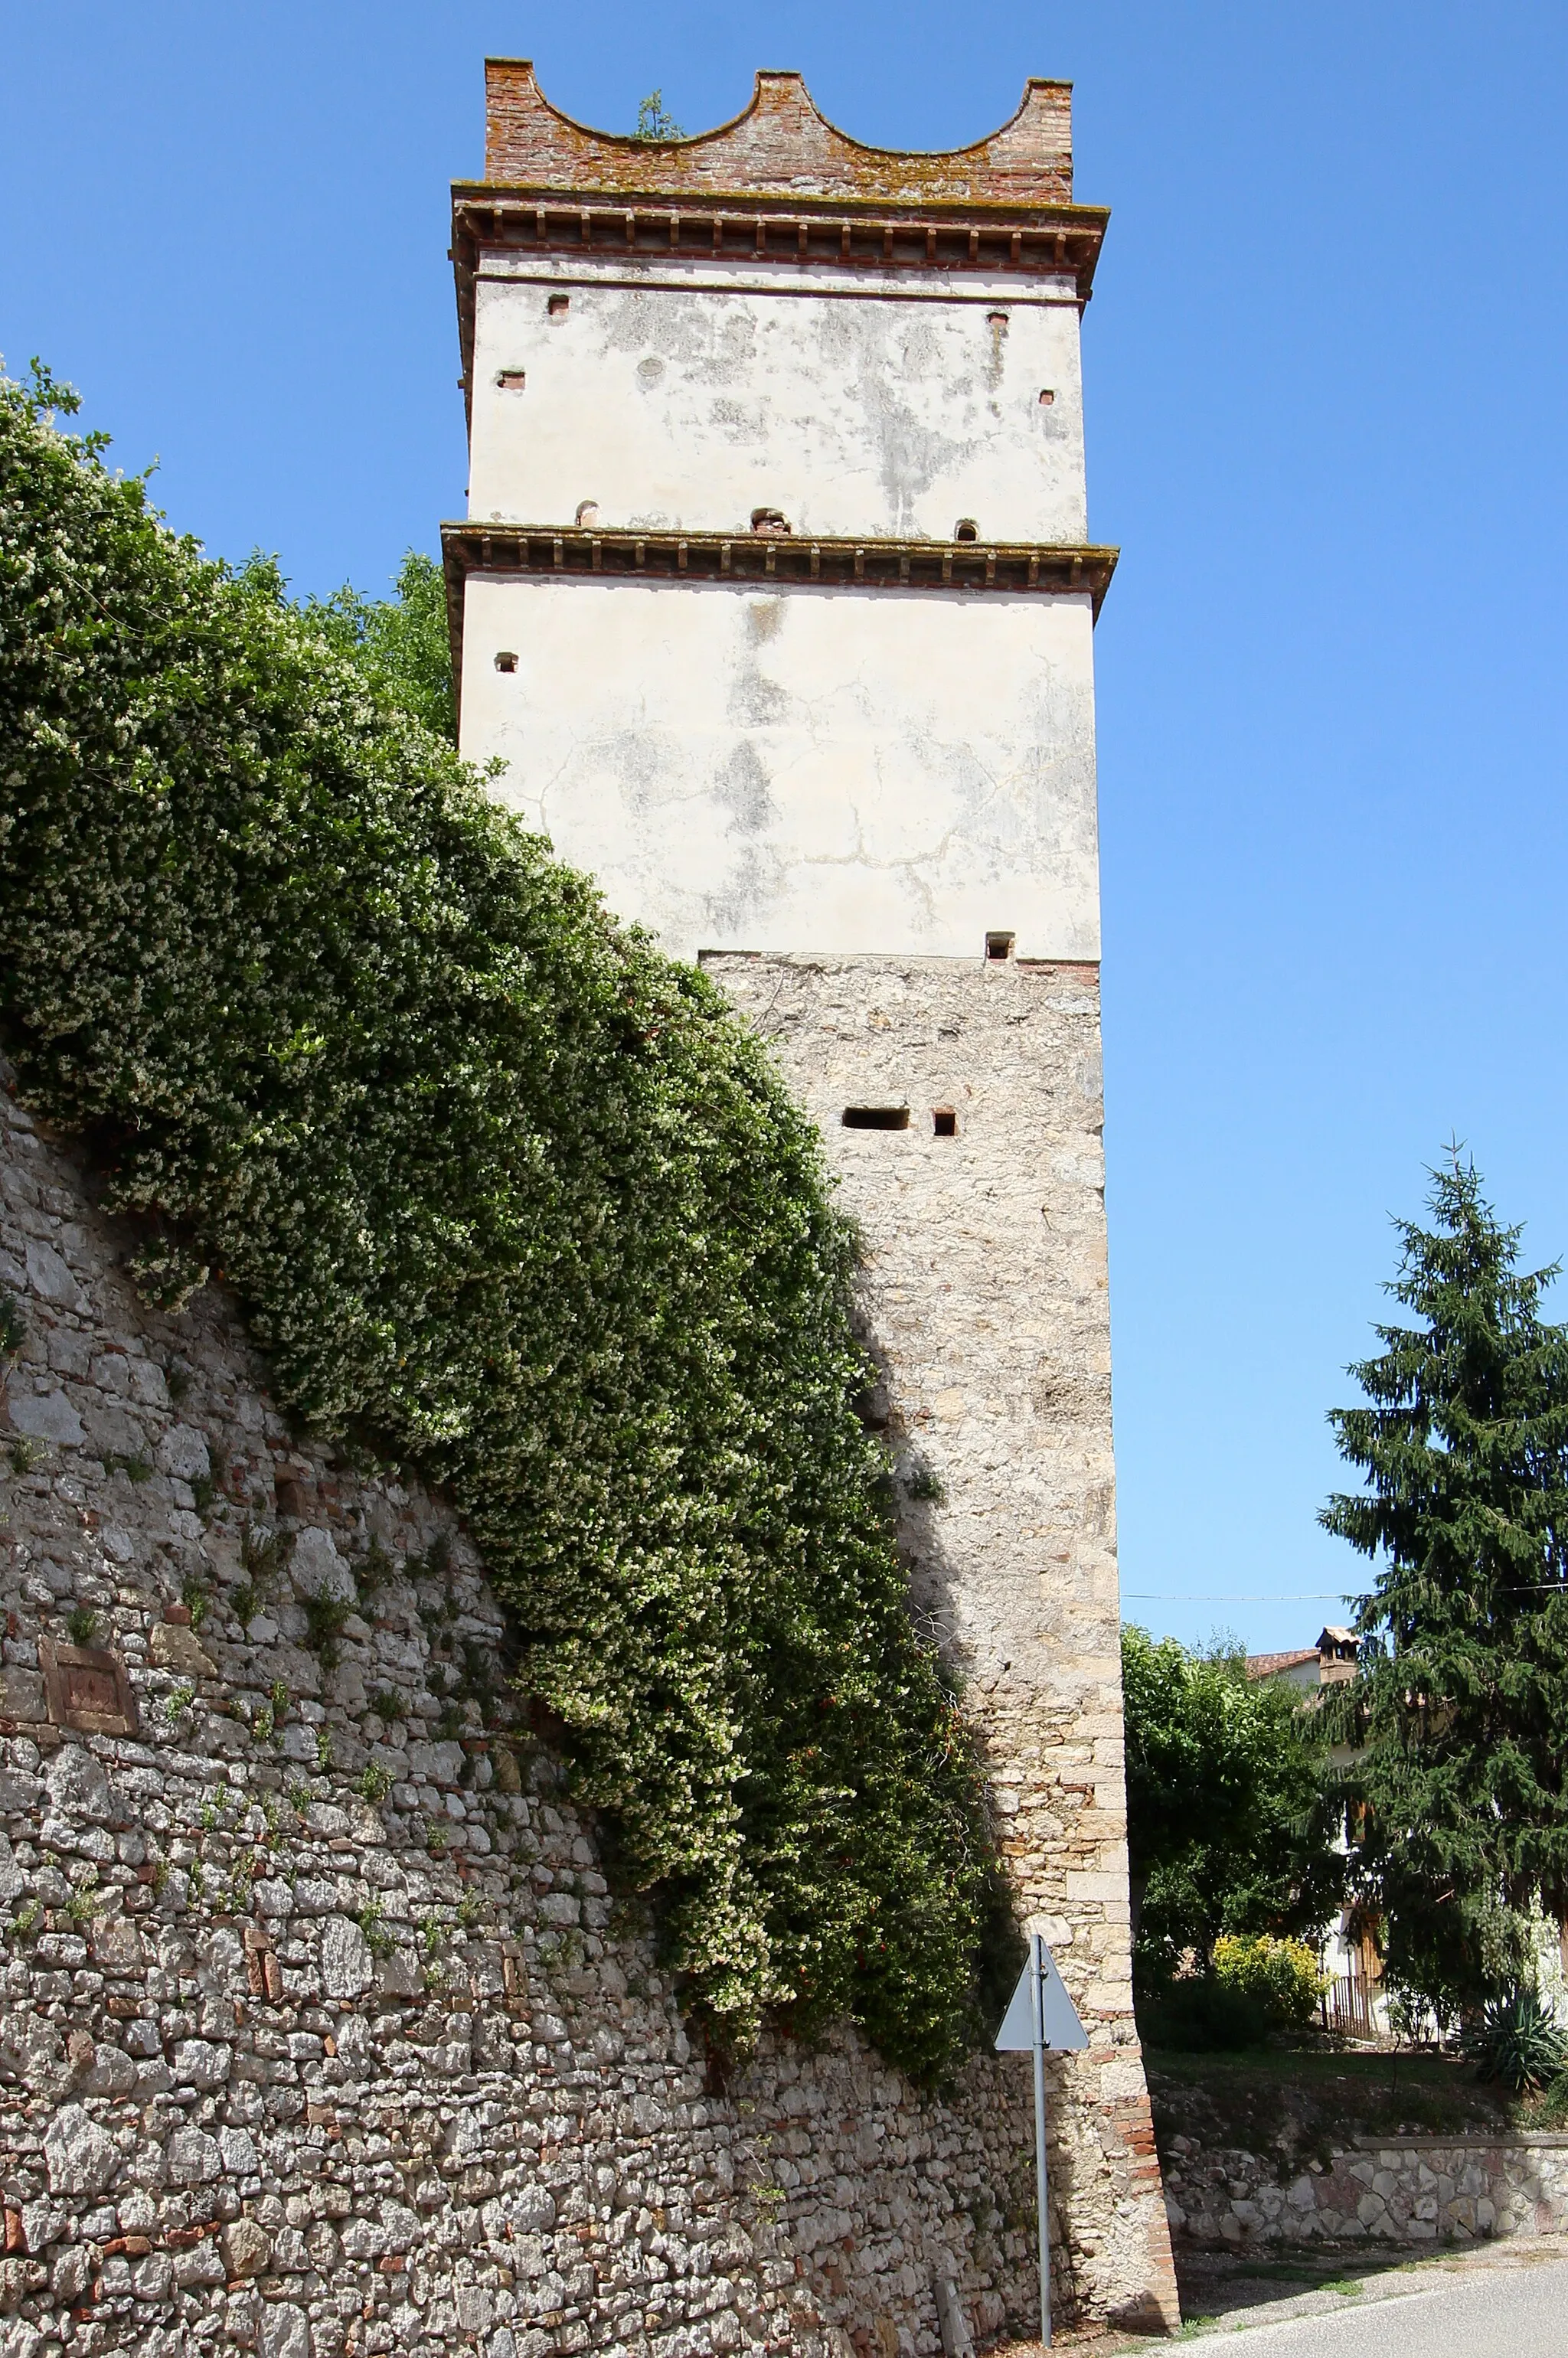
(895, 367)
(711, 341)
(756, 702)
(909, 453)
(995, 330)
(742, 787)
(765, 617)
(636, 762)
(737, 423)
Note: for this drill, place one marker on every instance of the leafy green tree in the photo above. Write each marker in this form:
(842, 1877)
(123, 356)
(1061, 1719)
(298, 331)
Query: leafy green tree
(402, 642)
(1230, 1823)
(1461, 1709)
(504, 1194)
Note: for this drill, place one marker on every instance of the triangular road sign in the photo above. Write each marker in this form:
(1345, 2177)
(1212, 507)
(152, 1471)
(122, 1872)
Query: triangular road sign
(1058, 2015)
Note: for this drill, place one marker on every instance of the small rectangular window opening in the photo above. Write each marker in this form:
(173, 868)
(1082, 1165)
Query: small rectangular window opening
(1046, 397)
(505, 661)
(511, 380)
(944, 1123)
(558, 306)
(999, 945)
(876, 1117)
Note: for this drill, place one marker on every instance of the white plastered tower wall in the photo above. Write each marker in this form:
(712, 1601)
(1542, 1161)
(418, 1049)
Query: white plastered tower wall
(775, 600)
(680, 394)
(750, 767)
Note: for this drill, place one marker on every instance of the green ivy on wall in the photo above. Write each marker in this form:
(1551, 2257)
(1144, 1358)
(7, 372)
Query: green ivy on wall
(499, 1184)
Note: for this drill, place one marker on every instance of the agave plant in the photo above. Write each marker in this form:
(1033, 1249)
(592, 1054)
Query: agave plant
(1517, 2040)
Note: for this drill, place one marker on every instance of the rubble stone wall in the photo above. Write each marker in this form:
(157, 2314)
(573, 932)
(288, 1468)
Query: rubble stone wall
(320, 2030)
(1416, 2190)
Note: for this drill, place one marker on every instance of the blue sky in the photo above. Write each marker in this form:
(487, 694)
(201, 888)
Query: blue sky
(1325, 367)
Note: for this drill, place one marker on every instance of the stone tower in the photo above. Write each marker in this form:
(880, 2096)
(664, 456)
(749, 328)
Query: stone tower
(776, 597)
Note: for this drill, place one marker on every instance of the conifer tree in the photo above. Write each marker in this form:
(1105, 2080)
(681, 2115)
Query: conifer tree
(1459, 1809)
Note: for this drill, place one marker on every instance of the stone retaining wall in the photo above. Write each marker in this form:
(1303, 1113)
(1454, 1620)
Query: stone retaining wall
(320, 2032)
(1414, 2191)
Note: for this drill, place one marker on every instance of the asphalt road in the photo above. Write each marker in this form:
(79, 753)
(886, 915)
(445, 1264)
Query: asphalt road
(1518, 2311)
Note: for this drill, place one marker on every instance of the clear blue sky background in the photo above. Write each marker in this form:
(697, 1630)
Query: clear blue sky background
(1327, 366)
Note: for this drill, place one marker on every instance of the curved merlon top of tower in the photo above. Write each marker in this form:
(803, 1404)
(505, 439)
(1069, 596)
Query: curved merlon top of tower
(778, 146)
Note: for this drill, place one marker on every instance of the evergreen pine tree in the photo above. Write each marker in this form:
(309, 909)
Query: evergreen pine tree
(1458, 1808)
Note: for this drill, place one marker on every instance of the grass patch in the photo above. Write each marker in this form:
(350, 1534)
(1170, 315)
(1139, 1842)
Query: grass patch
(1549, 2110)
(1301, 2106)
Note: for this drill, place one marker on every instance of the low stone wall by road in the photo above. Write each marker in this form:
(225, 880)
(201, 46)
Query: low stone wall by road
(1415, 2190)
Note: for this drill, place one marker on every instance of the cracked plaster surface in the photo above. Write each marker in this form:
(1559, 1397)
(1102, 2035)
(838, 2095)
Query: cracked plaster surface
(806, 769)
(682, 405)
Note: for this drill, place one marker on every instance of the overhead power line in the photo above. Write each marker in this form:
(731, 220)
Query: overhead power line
(1270, 1596)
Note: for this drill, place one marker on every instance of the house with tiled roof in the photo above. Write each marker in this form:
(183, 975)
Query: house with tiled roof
(1326, 1664)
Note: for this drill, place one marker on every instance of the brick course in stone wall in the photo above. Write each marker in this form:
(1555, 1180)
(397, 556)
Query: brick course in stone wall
(320, 2031)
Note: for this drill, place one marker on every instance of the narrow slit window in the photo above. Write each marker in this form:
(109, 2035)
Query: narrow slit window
(999, 945)
(944, 1123)
(876, 1117)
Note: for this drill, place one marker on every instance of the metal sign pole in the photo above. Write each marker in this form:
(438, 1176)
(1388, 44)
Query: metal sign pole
(1039, 2015)
(1037, 1975)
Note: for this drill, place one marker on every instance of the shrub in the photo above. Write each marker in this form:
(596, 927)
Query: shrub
(1517, 2040)
(1256, 1988)
(1283, 1976)
(502, 1188)
(324, 1619)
